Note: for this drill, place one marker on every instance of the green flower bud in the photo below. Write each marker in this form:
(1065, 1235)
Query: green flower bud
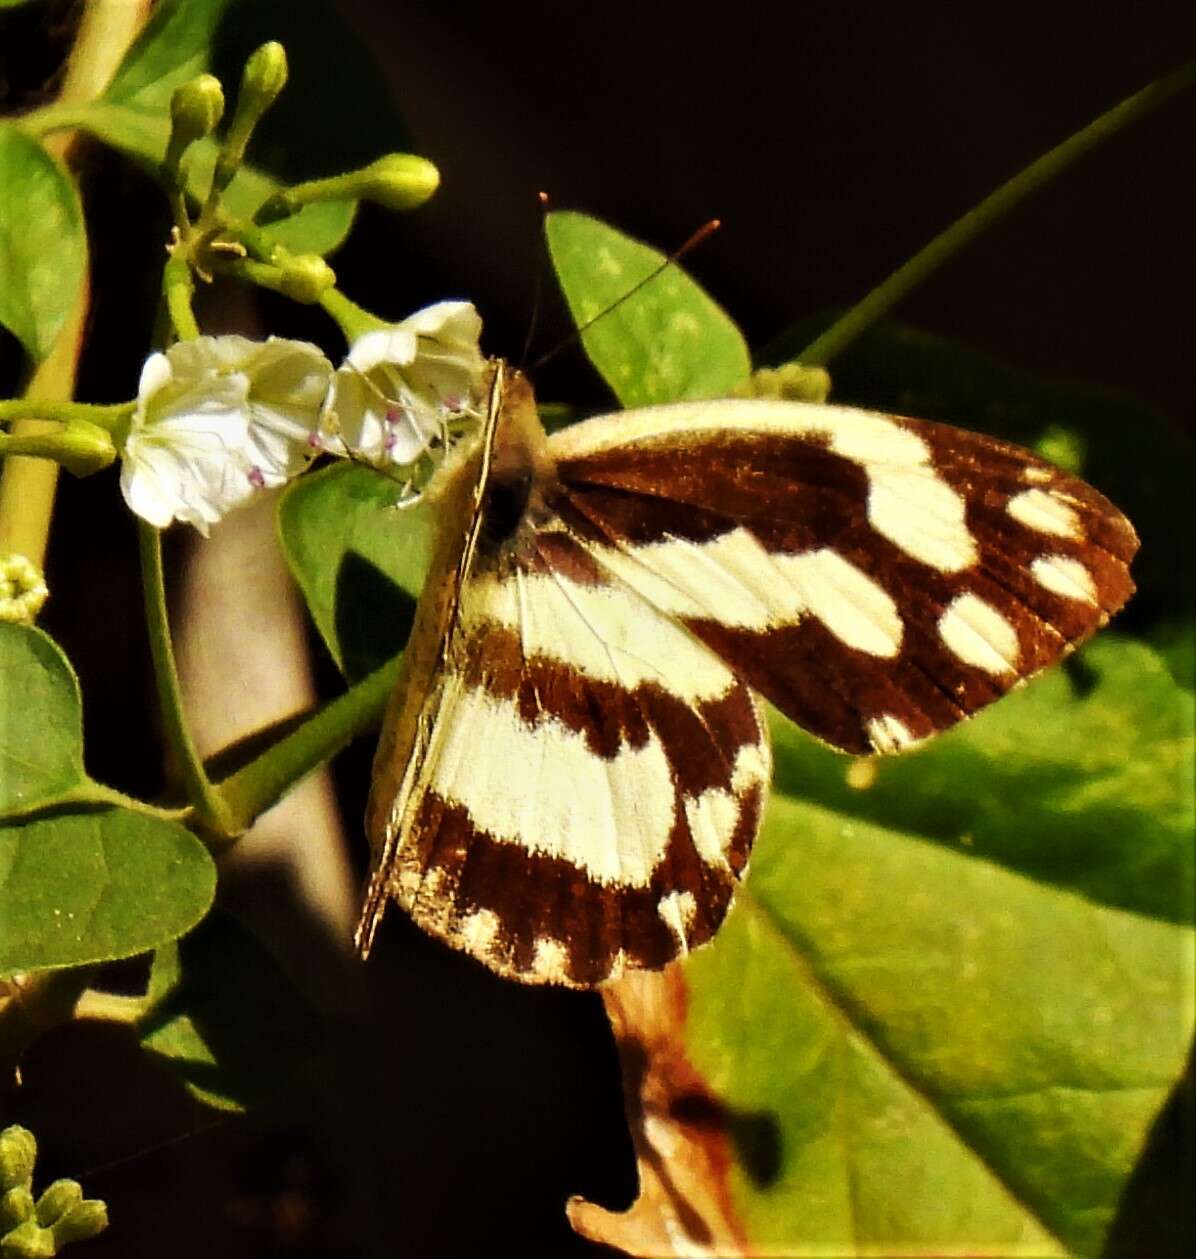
(85, 1219)
(80, 446)
(305, 277)
(195, 109)
(399, 181)
(265, 76)
(18, 1146)
(28, 1241)
(23, 591)
(16, 1206)
(57, 1200)
(794, 382)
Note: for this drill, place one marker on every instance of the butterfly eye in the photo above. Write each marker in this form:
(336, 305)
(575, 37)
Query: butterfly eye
(506, 501)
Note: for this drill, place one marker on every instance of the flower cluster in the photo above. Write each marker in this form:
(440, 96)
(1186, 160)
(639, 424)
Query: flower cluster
(219, 418)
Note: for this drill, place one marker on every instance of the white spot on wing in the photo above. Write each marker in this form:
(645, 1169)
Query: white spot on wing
(1045, 512)
(922, 515)
(713, 815)
(677, 910)
(887, 733)
(850, 604)
(1032, 474)
(979, 635)
(1064, 576)
(550, 962)
(605, 631)
(732, 579)
(478, 931)
(610, 817)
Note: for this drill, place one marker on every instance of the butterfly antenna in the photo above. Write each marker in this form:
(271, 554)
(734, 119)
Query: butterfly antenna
(538, 291)
(699, 237)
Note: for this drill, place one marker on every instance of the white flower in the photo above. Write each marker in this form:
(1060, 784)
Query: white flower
(391, 396)
(217, 419)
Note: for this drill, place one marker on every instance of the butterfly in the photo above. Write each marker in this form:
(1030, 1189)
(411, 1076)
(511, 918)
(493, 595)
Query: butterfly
(575, 762)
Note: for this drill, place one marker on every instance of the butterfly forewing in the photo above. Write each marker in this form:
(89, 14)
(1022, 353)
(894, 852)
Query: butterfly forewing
(575, 768)
(877, 578)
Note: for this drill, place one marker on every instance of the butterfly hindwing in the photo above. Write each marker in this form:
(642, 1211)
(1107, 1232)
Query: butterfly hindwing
(596, 782)
(877, 578)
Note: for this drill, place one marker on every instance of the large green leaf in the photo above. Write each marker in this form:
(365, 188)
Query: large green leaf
(41, 724)
(79, 881)
(43, 248)
(953, 1056)
(1081, 780)
(95, 884)
(664, 342)
(359, 561)
(225, 1018)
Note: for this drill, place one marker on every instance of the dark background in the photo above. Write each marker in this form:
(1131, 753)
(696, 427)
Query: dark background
(452, 1114)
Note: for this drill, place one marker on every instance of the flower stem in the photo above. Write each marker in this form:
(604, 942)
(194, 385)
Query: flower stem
(352, 319)
(211, 812)
(108, 416)
(178, 287)
(963, 231)
(256, 786)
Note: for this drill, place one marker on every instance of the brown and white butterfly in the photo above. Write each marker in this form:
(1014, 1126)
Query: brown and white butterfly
(574, 766)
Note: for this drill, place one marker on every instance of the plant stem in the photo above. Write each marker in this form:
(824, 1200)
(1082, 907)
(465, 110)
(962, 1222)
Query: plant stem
(255, 787)
(963, 231)
(108, 416)
(178, 287)
(109, 1006)
(211, 812)
(27, 485)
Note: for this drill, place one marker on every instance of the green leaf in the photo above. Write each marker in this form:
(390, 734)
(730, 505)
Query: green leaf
(90, 886)
(225, 1018)
(175, 46)
(1081, 780)
(899, 1045)
(359, 561)
(666, 342)
(43, 248)
(41, 724)
(1142, 460)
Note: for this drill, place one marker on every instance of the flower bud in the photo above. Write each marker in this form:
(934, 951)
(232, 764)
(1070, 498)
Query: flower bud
(85, 1219)
(794, 382)
(18, 1146)
(56, 1200)
(264, 77)
(29, 1241)
(304, 277)
(23, 591)
(399, 181)
(195, 109)
(16, 1206)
